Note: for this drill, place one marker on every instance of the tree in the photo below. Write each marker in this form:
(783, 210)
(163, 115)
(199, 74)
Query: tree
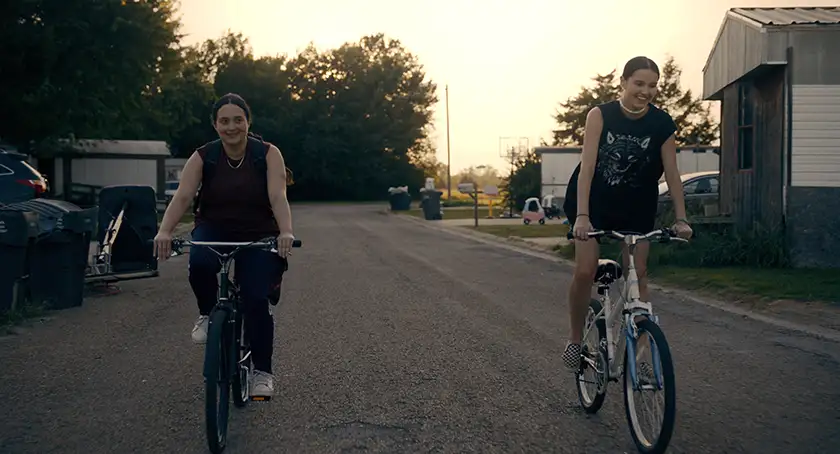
(423, 155)
(361, 115)
(694, 122)
(524, 182)
(482, 176)
(83, 68)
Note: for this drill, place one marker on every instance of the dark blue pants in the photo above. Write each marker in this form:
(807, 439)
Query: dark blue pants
(256, 272)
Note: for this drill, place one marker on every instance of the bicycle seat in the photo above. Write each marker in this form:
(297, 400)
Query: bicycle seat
(608, 271)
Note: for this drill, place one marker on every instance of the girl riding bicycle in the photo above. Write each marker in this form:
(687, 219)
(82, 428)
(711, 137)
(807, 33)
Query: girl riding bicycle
(627, 146)
(243, 201)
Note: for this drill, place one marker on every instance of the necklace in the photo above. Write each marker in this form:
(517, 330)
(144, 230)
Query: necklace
(237, 165)
(633, 112)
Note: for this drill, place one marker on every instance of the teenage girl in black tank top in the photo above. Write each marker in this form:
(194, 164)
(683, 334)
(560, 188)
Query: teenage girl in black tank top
(237, 205)
(627, 145)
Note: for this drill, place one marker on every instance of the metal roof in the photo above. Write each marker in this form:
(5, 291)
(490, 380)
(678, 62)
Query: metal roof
(123, 147)
(791, 16)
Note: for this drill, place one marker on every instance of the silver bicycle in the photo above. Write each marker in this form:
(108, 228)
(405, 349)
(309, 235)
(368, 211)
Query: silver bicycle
(615, 352)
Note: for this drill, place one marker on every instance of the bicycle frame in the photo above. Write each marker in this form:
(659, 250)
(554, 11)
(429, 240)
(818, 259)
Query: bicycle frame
(630, 305)
(228, 291)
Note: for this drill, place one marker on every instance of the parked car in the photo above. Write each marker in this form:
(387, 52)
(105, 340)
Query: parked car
(171, 187)
(19, 181)
(699, 189)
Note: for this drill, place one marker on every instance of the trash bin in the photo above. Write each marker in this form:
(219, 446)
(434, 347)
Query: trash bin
(399, 198)
(59, 253)
(431, 205)
(17, 231)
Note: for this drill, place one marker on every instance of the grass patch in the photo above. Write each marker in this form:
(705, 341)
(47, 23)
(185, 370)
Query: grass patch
(525, 231)
(765, 283)
(18, 316)
(454, 213)
(695, 266)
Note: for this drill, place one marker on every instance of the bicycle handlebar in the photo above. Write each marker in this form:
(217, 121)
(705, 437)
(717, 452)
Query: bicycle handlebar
(663, 235)
(267, 243)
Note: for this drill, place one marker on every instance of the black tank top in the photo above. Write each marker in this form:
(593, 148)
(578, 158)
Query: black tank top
(236, 200)
(629, 162)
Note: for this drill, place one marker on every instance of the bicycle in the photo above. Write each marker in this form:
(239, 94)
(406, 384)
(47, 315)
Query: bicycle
(638, 318)
(226, 339)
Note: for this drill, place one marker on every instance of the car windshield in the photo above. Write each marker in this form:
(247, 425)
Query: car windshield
(663, 186)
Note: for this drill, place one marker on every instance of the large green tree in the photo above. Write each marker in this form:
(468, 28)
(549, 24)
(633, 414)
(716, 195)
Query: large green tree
(694, 122)
(84, 68)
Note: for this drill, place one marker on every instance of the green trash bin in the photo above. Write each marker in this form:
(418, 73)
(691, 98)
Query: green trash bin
(17, 230)
(59, 253)
(431, 205)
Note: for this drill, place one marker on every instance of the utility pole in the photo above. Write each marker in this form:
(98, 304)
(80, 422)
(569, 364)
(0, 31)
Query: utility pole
(448, 157)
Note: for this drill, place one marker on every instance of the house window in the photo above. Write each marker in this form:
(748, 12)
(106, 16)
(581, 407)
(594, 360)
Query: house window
(745, 126)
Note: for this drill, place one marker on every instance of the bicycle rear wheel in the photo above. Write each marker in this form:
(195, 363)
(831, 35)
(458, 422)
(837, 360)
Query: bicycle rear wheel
(657, 376)
(591, 378)
(217, 372)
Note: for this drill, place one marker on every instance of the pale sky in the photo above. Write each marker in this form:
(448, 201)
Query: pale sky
(507, 66)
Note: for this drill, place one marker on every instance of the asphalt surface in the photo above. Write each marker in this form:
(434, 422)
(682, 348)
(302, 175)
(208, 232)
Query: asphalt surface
(392, 337)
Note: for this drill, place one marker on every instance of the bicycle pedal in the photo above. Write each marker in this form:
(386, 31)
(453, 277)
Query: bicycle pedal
(260, 398)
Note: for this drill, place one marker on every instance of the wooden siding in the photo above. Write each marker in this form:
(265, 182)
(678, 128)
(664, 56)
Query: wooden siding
(815, 160)
(754, 195)
(737, 50)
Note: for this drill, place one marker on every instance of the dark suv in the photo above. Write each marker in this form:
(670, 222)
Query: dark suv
(19, 181)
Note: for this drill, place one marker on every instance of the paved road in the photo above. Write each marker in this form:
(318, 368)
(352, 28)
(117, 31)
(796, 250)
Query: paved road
(397, 338)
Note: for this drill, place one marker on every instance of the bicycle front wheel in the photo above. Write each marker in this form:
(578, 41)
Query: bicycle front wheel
(217, 372)
(242, 355)
(651, 423)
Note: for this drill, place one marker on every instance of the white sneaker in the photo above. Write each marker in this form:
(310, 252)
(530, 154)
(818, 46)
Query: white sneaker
(199, 331)
(262, 384)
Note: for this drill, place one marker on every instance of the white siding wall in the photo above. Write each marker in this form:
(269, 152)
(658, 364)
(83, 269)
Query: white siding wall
(815, 138)
(106, 172)
(558, 167)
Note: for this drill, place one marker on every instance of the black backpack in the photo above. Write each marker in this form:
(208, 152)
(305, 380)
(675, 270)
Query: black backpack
(257, 148)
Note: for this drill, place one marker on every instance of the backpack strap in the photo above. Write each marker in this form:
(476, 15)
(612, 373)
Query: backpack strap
(259, 153)
(212, 153)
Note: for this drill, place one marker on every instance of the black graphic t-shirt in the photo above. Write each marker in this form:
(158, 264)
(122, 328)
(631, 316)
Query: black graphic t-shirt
(629, 162)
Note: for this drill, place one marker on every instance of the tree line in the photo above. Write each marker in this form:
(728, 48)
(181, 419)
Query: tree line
(351, 121)
(695, 125)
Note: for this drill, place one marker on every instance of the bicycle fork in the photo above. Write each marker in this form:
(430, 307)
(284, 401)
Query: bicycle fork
(631, 336)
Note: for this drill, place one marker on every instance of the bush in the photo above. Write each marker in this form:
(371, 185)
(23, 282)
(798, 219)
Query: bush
(728, 246)
(759, 247)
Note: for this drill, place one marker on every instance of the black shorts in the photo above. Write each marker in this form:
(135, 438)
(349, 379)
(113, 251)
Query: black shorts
(614, 216)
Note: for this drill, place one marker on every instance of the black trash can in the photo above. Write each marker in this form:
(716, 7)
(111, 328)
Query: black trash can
(17, 231)
(59, 254)
(431, 205)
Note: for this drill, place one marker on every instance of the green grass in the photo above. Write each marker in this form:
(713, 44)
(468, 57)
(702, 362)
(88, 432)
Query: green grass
(18, 316)
(525, 231)
(453, 213)
(735, 282)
